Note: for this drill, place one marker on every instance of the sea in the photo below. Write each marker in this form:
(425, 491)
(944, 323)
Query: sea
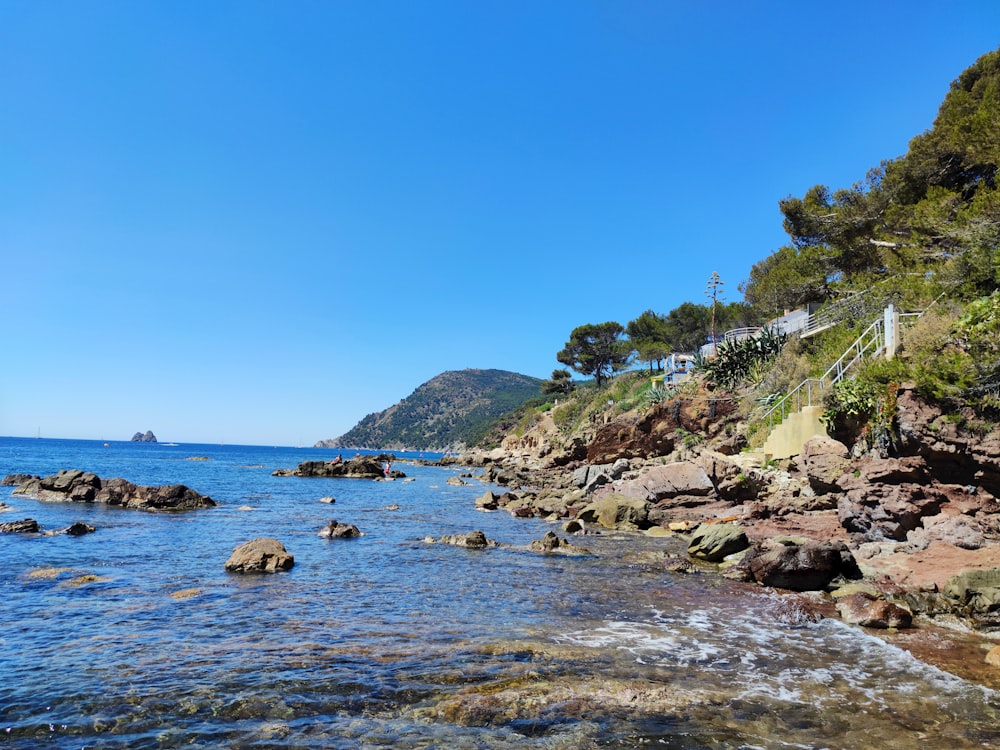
(135, 636)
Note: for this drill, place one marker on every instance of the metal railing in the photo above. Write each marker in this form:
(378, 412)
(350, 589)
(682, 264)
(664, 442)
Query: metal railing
(871, 341)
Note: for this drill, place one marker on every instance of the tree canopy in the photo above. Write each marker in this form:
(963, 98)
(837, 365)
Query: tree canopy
(935, 209)
(597, 349)
(650, 337)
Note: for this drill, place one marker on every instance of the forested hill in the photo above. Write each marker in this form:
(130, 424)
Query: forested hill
(449, 412)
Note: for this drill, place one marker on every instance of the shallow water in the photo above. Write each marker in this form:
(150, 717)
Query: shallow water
(136, 637)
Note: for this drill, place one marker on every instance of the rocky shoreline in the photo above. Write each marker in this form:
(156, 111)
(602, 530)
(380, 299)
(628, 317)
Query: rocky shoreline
(885, 537)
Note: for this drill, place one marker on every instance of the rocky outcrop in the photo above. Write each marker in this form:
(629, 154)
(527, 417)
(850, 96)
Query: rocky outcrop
(651, 434)
(358, 467)
(957, 456)
(27, 526)
(261, 555)
(144, 437)
(74, 485)
(78, 528)
(887, 498)
(472, 540)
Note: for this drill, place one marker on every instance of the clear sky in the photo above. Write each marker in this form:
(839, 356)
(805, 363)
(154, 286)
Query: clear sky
(257, 222)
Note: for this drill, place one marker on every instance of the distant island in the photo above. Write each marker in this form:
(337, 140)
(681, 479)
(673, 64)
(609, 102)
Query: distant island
(148, 437)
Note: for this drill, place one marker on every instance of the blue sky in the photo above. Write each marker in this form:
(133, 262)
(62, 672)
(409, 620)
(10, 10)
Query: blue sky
(257, 222)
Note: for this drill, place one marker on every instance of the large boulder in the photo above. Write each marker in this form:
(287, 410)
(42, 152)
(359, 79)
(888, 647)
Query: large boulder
(261, 555)
(714, 542)
(614, 511)
(667, 481)
(823, 461)
(798, 563)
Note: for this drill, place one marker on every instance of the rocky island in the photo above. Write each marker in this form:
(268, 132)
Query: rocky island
(358, 467)
(74, 485)
(143, 437)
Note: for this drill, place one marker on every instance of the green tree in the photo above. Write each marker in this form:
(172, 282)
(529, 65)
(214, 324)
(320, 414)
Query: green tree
(650, 336)
(687, 326)
(560, 382)
(786, 279)
(597, 350)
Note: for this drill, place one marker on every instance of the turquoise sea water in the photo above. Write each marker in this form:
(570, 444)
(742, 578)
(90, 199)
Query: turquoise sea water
(136, 637)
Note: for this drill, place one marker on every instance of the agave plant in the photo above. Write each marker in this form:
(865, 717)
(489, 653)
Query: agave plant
(744, 360)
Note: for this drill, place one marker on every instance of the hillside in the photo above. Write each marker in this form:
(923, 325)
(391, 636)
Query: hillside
(452, 411)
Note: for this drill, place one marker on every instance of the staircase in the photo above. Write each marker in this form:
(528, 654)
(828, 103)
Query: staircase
(796, 416)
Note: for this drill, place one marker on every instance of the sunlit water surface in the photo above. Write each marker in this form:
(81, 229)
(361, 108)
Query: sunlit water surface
(136, 637)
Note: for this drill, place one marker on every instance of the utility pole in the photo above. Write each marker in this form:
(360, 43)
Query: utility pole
(714, 292)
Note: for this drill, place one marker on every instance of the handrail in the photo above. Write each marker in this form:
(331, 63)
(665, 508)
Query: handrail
(872, 338)
(830, 315)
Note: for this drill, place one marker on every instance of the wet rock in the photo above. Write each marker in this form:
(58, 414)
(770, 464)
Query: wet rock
(336, 530)
(27, 526)
(488, 501)
(261, 555)
(868, 611)
(976, 594)
(714, 542)
(547, 543)
(614, 511)
(472, 540)
(79, 528)
(798, 563)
